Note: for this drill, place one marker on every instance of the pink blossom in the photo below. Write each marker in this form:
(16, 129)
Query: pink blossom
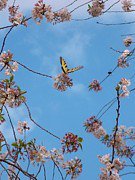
(16, 17)
(126, 5)
(3, 4)
(22, 126)
(125, 53)
(117, 164)
(73, 167)
(15, 66)
(122, 62)
(96, 8)
(7, 62)
(104, 159)
(111, 170)
(125, 82)
(11, 95)
(42, 10)
(123, 87)
(128, 41)
(99, 133)
(62, 82)
(95, 85)
(56, 155)
(92, 124)
(38, 153)
(70, 143)
(62, 15)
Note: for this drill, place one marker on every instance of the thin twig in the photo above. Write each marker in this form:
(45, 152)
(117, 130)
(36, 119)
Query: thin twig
(38, 124)
(44, 172)
(53, 172)
(4, 40)
(116, 125)
(41, 74)
(80, 6)
(116, 24)
(58, 169)
(19, 168)
(11, 123)
(127, 173)
(107, 109)
(39, 170)
(105, 106)
(2, 68)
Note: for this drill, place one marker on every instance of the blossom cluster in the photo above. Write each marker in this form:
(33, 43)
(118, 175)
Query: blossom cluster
(3, 4)
(94, 126)
(126, 5)
(111, 170)
(95, 85)
(96, 8)
(62, 82)
(57, 156)
(10, 94)
(128, 41)
(73, 167)
(38, 154)
(122, 149)
(7, 62)
(70, 143)
(16, 17)
(123, 86)
(42, 10)
(22, 126)
(122, 60)
(127, 132)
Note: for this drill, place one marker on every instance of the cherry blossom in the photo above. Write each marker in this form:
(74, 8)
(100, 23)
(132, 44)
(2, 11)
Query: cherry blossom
(3, 4)
(95, 85)
(126, 5)
(16, 17)
(42, 10)
(111, 170)
(123, 87)
(96, 8)
(94, 126)
(73, 167)
(62, 82)
(6, 60)
(71, 143)
(128, 41)
(22, 126)
(10, 94)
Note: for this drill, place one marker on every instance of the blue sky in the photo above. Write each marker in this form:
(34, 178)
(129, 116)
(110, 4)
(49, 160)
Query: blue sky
(80, 43)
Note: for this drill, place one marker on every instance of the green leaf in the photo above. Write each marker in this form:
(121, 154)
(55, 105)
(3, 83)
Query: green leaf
(23, 92)
(80, 146)
(80, 139)
(15, 144)
(89, 6)
(11, 78)
(106, 137)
